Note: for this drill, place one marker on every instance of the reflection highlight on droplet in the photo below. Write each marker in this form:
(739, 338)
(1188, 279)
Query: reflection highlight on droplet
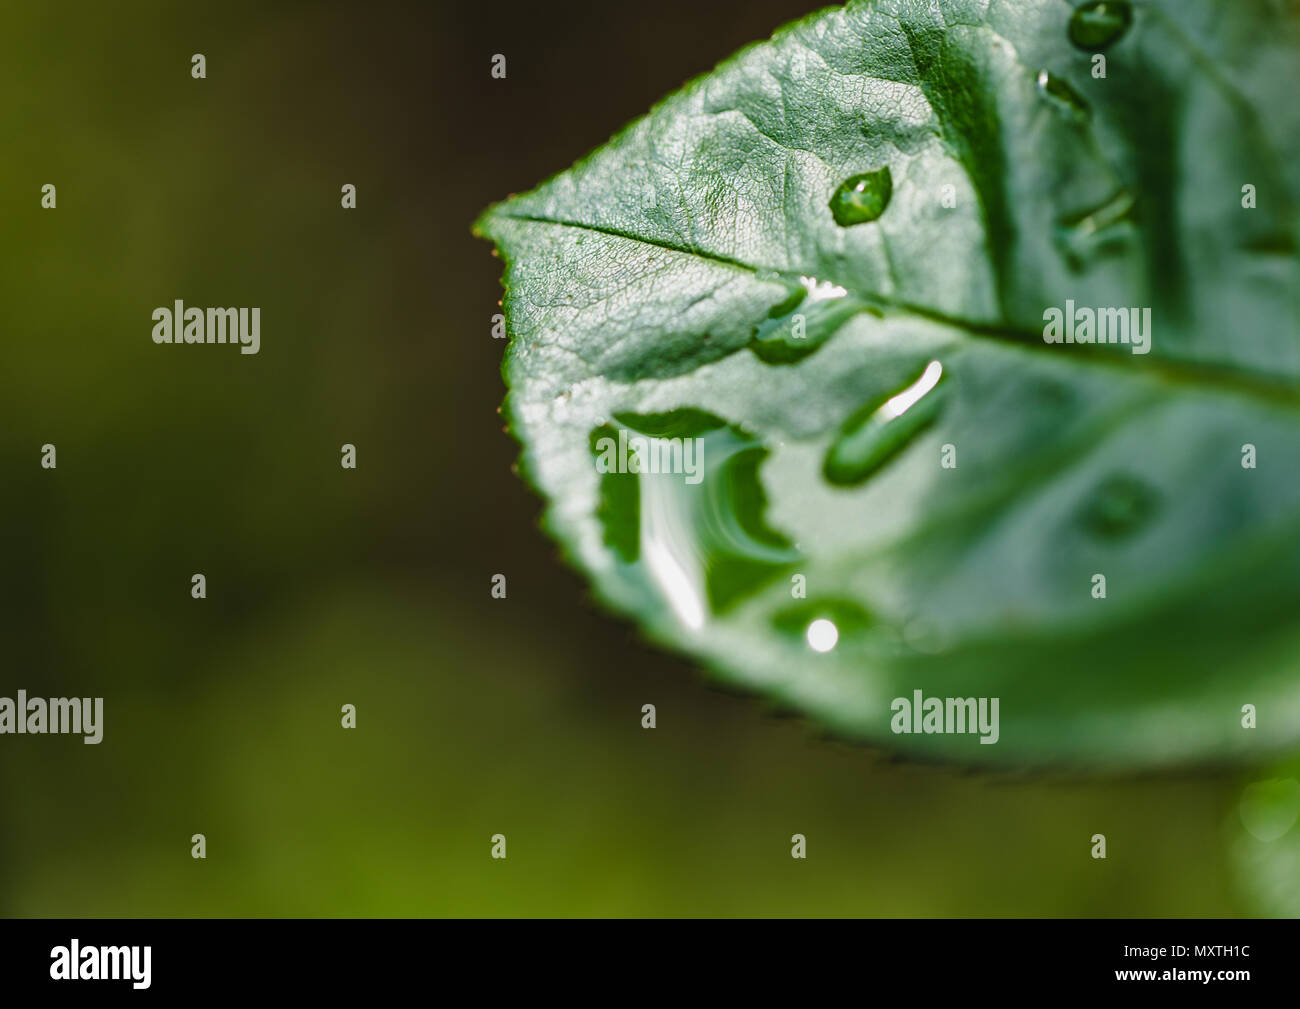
(698, 538)
(666, 546)
(822, 635)
(909, 397)
(880, 430)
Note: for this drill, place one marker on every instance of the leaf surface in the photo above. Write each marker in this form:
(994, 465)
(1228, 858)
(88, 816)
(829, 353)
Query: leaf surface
(821, 275)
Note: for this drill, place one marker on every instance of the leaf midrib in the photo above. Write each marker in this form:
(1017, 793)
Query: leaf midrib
(1209, 375)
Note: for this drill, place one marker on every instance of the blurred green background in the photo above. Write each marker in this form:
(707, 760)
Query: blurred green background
(475, 716)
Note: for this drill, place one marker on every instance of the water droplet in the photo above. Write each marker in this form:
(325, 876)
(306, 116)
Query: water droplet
(800, 323)
(862, 198)
(1087, 234)
(1062, 94)
(682, 506)
(1269, 809)
(1117, 207)
(1119, 506)
(880, 430)
(925, 636)
(1051, 394)
(821, 624)
(1100, 23)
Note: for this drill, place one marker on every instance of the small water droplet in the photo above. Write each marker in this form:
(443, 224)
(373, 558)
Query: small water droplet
(821, 624)
(1100, 23)
(880, 430)
(925, 636)
(1062, 94)
(796, 326)
(1087, 234)
(862, 198)
(1051, 394)
(1117, 207)
(1119, 506)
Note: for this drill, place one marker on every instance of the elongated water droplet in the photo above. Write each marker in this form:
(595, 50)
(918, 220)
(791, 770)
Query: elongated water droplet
(862, 198)
(683, 508)
(878, 431)
(1119, 506)
(1062, 95)
(802, 322)
(1100, 23)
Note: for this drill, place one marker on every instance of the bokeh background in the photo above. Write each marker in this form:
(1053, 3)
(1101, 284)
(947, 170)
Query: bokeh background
(371, 587)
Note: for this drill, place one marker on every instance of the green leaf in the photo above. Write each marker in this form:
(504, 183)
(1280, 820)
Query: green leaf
(833, 257)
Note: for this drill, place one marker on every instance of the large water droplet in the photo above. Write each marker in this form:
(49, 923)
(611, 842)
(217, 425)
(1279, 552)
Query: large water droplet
(862, 198)
(880, 430)
(1062, 95)
(683, 508)
(1100, 23)
(1119, 506)
(803, 321)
